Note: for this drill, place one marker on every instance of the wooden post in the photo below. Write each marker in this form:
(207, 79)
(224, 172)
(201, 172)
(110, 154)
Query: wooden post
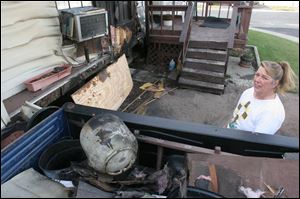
(206, 9)
(160, 151)
(232, 26)
(161, 20)
(228, 11)
(147, 21)
(173, 18)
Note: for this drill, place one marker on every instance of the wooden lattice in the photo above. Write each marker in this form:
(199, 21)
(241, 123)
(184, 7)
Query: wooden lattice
(160, 54)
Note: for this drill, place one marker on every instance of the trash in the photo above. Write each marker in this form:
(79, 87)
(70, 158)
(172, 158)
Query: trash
(158, 94)
(203, 182)
(56, 160)
(279, 193)
(31, 184)
(249, 193)
(152, 87)
(28, 109)
(67, 184)
(162, 178)
(172, 65)
(109, 145)
(85, 190)
(273, 193)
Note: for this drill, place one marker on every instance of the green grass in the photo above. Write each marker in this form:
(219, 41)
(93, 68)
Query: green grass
(284, 8)
(274, 48)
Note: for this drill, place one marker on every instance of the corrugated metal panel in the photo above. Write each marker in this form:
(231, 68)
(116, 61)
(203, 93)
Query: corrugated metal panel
(31, 37)
(24, 152)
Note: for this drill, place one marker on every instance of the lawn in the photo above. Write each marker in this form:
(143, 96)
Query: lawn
(274, 48)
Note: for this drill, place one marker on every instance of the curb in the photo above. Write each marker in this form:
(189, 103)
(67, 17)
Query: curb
(288, 37)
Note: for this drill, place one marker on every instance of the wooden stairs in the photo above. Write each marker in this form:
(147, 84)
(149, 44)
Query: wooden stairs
(205, 66)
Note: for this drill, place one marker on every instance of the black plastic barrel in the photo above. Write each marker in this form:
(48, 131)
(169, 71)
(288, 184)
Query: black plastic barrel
(194, 192)
(55, 161)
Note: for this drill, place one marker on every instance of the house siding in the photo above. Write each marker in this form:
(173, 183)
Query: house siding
(30, 42)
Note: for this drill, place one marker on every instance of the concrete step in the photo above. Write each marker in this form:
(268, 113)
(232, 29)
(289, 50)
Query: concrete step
(203, 75)
(204, 64)
(202, 86)
(209, 54)
(208, 45)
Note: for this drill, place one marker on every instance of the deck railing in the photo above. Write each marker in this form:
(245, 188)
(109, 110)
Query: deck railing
(238, 13)
(206, 7)
(186, 31)
(156, 29)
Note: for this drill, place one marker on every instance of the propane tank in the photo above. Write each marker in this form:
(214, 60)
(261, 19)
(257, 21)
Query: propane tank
(109, 145)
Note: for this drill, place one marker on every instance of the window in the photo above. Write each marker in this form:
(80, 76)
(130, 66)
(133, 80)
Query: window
(72, 4)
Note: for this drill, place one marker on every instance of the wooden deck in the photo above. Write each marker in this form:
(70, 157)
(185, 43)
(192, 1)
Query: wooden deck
(197, 33)
(208, 34)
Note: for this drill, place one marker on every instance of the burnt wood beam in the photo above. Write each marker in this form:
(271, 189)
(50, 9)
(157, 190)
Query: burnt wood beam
(147, 21)
(164, 39)
(167, 7)
(165, 32)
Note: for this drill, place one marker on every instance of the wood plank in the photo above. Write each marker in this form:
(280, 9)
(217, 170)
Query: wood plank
(203, 72)
(203, 75)
(107, 90)
(85, 190)
(210, 65)
(208, 44)
(167, 7)
(178, 146)
(166, 32)
(210, 54)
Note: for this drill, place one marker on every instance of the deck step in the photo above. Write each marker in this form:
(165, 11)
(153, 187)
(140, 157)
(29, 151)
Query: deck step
(219, 45)
(204, 64)
(203, 75)
(210, 54)
(202, 86)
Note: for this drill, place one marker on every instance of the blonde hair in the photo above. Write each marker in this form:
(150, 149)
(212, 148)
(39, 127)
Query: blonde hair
(282, 72)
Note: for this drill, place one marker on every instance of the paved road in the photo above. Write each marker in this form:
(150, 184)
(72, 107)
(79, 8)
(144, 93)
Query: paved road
(277, 21)
(283, 22)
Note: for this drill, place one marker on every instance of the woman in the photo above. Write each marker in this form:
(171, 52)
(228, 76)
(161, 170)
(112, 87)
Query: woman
(259, 108)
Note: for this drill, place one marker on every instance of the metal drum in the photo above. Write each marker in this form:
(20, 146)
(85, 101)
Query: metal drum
(109, 145)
